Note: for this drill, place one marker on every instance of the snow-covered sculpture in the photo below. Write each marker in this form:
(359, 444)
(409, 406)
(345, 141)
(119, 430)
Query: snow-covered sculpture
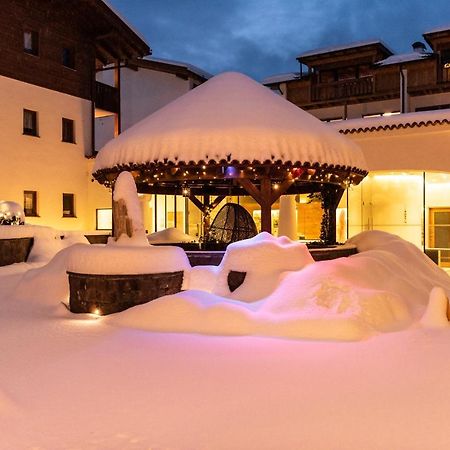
(263, 259)
(127, 212)
(11, 213)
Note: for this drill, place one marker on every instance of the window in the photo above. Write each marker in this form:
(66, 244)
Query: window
(347, 73)
(104, 219)
(30, 203)
(68, 130)
(30, 122)
(31, 42)
(68, 57)
(68, 205)
(439, 234)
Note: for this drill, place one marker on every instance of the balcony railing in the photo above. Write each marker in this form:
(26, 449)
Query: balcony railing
(342, 89)
(106, 97)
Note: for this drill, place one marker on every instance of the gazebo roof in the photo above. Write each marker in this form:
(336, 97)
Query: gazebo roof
(230, 118)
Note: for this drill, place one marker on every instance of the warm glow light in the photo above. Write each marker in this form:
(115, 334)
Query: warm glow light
(104, 219)
(185, 191)
(97, 312)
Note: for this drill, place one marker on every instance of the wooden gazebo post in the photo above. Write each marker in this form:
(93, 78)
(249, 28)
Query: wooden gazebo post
(266, 196)
(331, 196)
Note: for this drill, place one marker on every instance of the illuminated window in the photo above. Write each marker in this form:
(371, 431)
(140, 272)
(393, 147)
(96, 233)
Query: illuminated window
(68, 205)
(68, 130)
(104, 219)
(30, 203)
(30, 127)
(31, 42)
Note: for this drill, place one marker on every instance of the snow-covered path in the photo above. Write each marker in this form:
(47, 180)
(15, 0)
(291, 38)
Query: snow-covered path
(72, 381)
(68, 382)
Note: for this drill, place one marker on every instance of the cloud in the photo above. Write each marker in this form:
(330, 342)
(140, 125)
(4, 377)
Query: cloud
(263, 37)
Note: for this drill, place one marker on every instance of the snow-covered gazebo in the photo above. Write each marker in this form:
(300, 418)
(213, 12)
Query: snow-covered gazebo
(233, 136)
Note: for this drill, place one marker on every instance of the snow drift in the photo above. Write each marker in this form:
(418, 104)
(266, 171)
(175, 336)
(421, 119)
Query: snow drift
(384, 288)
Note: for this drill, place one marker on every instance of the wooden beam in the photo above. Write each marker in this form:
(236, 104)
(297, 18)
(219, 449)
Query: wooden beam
(266, 205)
(251, 189)
(197, 202)
(216, 202)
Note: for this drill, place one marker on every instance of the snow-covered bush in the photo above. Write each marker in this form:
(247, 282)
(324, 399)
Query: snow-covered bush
(11, 213)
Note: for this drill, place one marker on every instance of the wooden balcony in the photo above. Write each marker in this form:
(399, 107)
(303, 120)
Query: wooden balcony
(342, 89)
(107, 97)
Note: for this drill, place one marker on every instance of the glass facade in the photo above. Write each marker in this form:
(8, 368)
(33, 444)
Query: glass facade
(411, 204)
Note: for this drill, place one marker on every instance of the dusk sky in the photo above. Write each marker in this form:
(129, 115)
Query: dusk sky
(263, 37)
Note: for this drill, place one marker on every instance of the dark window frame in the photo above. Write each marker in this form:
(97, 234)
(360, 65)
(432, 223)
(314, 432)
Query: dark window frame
(30, 212)
(68, 130)
(33, 131)
(68, 210)
(34, 36)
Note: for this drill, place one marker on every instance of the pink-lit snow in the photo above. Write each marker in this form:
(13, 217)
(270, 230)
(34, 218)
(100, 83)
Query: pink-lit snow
(88, 382)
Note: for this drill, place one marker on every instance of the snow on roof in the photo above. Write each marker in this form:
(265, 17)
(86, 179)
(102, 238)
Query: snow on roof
(194, 69)
(230, 117)
(403, 58)
(281, 77)
(438, 29)
(408, 120)
(336, 48)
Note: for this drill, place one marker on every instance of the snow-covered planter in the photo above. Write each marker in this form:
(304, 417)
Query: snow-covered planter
(15, 250)
(112, 278)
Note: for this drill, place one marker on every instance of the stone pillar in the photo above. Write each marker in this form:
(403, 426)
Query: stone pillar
(288, 217)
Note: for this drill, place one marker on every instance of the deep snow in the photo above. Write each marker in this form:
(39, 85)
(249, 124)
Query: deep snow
(81, 381)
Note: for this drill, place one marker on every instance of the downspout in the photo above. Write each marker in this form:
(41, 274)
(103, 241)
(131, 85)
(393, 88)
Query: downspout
(403, 90)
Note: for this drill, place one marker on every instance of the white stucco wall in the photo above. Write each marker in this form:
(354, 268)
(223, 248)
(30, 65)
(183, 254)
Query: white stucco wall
(419, 148)
(143, 92)
(44, 164)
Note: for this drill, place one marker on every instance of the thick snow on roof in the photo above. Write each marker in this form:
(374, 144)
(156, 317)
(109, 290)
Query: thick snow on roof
(279, 78)
(403, 58)
(230, 117)
(394, 121)
(322, 50)
(194, 69)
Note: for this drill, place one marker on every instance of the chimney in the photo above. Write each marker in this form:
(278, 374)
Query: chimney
(419, 47)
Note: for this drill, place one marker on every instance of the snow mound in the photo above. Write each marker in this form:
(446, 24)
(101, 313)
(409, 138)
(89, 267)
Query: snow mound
(47, 241)
(384, 288)
(264, 258)
(48, 284)
(169, 235)
(437, 312)
(202, 312)
(114, 259)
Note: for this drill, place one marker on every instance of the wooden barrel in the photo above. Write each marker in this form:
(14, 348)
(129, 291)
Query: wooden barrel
(107, 294)
(15, 250)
